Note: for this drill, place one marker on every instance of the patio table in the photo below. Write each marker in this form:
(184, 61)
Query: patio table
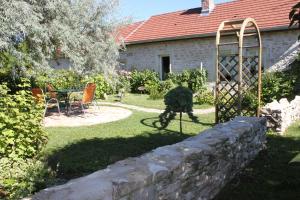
(66, 95)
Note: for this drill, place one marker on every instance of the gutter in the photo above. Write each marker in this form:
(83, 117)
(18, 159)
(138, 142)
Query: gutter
(278, 28)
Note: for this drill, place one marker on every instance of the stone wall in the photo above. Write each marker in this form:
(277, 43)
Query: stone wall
(190, 53)
(282, 114)
(196, 168)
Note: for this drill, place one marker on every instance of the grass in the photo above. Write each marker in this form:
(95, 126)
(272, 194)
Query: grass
(74, 152)
(144, 101)
(273, 175)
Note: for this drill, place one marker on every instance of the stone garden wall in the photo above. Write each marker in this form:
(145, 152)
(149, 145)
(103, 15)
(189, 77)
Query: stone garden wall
(196, 168)
(282, 114)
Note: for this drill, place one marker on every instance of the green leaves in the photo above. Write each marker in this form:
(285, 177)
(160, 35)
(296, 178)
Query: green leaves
(141, 78)
(21, 133)
(294, 16)
(195, 79)
(177, 100)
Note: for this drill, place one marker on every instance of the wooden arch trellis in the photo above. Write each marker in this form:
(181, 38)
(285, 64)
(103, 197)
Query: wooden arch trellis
(238, 69)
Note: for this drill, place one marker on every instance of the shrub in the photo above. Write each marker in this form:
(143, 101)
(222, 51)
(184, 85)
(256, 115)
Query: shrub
(123, 81)
(60, 79)
(277, 85)
(195, 79)
(103, 87)
(140, 78)
(157, 90)
(179, 99)
(21, 133)
(20, 178)
(204, 96)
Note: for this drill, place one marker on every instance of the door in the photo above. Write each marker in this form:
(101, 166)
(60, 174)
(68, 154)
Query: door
(166, 67)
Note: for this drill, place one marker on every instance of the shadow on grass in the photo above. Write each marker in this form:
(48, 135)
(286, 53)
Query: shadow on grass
(153, 122)
(87, 156)
(274, 174)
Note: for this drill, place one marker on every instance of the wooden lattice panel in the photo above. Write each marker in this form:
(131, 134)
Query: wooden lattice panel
(238, 77)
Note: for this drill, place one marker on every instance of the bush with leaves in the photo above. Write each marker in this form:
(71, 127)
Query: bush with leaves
(277, 85)
(123, 82)
(178, 100)
(59, 79)
(157, 90)
(22, 177)
(13, 68)
(141, 78)
(195, 79)
(21, 132)
(205, 96)
(102, 86)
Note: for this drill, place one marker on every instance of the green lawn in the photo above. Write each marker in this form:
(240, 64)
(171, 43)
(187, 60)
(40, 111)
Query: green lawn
(273, 175)
(144, 101)
(74, 152)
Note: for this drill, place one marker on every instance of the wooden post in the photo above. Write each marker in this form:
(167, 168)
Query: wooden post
(180, 122)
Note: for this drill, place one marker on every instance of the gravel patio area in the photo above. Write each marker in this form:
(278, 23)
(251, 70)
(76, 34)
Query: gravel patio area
(92, 116)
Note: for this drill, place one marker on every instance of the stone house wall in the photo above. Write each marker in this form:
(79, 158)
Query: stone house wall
(190, 53)
(196, 168)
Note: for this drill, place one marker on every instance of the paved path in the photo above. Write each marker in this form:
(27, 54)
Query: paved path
(153, 110)
(92, 116)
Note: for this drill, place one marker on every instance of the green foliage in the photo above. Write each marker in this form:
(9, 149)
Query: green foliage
(195, 79)
(250, 101)
(157, 90)
(59, 79)
(20, 178)
(21, 133)
(14, 67)
(294, 16)
(204, 96)
(179, 99)
(123, 81)
(141, 78)
(81, 30)
(277, 85)
(102, 86)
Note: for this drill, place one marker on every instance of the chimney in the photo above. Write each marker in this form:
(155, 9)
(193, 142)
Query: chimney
(207, 6)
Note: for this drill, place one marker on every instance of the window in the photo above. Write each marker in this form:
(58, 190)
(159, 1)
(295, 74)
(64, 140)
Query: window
(166, 67)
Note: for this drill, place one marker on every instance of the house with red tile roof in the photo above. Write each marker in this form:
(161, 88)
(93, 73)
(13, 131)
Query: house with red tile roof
(175, 41)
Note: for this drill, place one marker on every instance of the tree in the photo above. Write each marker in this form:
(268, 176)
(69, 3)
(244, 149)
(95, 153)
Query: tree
(295, 16)
(179, 99)
(83, 31)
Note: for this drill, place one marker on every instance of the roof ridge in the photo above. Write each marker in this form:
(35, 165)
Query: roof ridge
(183, 10)
(132, 32)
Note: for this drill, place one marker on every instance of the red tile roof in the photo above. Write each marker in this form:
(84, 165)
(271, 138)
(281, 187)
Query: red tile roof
(127, 30)
(190, 23)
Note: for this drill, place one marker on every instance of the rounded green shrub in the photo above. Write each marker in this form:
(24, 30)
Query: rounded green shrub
(178, 100)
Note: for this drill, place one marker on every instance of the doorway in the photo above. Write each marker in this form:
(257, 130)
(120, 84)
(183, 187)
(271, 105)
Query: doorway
(166, 67)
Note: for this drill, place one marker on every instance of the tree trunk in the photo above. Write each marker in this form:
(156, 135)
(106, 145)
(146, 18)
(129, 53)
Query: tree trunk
(181, 122)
